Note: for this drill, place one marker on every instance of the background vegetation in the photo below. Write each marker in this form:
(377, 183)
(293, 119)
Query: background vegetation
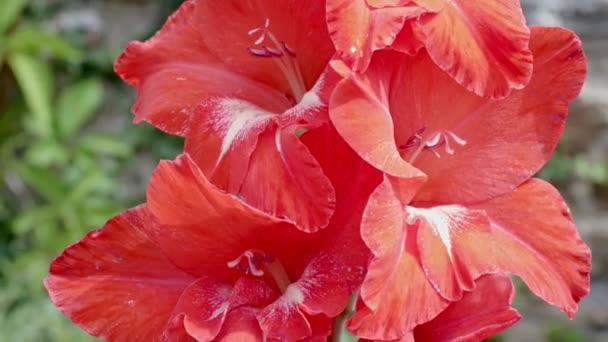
(70, 159)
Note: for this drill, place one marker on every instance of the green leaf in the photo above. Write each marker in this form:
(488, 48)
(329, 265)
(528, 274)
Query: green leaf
(77, 105)
(10, 11)
(46, 153)
(33, 218)
(41, 181)
(35, 79)
(33, 41)
(105, 144)
(84, 187)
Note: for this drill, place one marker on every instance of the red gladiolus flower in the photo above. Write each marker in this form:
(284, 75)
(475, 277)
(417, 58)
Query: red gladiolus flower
(482, 313)
(241, 79)
(483, 45)
(196, 262)
(457, 202)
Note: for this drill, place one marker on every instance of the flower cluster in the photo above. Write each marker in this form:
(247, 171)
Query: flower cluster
(348, 164)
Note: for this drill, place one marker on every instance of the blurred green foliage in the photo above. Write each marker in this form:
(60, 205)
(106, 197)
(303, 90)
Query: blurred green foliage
(60, 176)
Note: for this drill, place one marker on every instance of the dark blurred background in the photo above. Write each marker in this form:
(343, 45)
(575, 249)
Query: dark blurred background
(70, 157)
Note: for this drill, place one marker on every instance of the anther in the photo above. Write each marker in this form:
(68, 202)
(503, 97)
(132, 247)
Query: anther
(288, 49)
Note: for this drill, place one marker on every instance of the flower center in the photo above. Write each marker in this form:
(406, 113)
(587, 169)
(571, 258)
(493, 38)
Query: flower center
(259, 263)
(418, 143)
(282, 54)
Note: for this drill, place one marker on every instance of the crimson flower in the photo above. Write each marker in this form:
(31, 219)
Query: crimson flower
(242, 80)
(482, 44)
(198, 263)
(457, 201)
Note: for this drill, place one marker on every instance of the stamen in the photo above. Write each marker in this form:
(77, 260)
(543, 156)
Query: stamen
(434, 141)
(285, 58)
(259, 264)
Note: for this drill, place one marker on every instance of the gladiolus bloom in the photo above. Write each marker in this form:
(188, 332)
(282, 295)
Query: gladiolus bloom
(241, 80)
(457, 201)
(208, 266)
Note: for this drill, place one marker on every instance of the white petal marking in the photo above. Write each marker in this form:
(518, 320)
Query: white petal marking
(236, 117)
(440, 219)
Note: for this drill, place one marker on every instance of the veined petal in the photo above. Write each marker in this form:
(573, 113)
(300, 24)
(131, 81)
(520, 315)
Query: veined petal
(396, 292)
(482, 313)
(204, 227)
(537, 240)
(115, 283)
(483, 44)
(456, 247)
(285, 180)
(358, 27)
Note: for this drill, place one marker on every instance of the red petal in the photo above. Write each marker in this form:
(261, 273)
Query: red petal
(202, 308)
(189, 61)
(282, 320)
(456, 247)
(396, 291)
(524, 126)
(115, 283)
(286, 181)
(252, 292)
(192, 210)
(320, 289)
(483, 45)
(241, 325)
(300, 24)
(359, 109)
(321, 326)
(223, 134)
(478, 315)
(410, 40)
(353, 180)
(537, 240)
(358, 28)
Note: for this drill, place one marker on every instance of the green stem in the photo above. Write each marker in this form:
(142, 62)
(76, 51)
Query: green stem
(339, 325)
